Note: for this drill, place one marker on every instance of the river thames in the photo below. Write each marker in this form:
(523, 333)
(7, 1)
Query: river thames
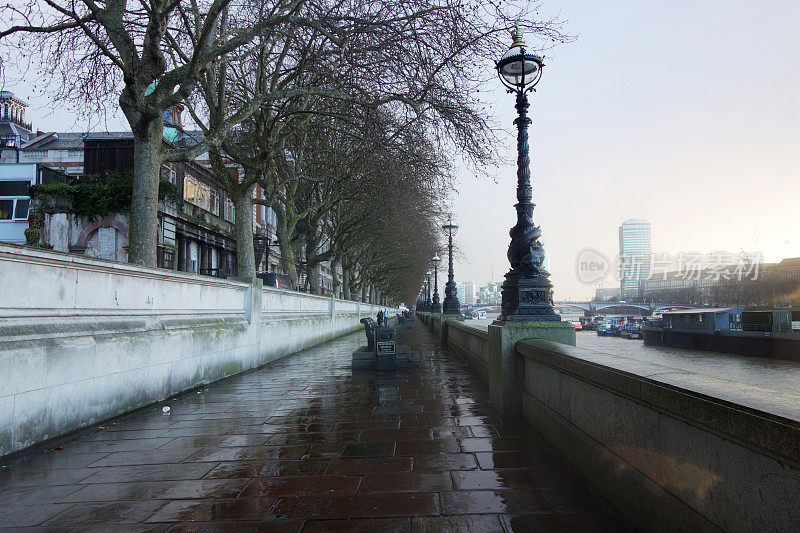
(753, 381)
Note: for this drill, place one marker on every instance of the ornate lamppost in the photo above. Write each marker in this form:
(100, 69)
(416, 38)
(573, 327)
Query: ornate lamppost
(436, 307)
(451, 304)
(428, 290)
(527, 291)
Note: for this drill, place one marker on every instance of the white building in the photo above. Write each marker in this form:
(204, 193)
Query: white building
(15, 179)
(466, 292)
(14, 131)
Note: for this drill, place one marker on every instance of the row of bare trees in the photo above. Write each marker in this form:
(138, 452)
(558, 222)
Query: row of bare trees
(347, 114)
(770, 289)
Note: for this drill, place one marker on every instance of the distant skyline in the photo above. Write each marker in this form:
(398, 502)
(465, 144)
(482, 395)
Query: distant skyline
(684, 114)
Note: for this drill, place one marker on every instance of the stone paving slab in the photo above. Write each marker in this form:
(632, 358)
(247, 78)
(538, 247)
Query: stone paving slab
(303, 444)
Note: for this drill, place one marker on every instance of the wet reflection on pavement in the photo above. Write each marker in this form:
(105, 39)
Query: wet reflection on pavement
(304, 444)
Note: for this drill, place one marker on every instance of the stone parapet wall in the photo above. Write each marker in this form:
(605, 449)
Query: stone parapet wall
(285, 302)
(472, 343)
(82, 340)
(670, 456)
(44, 285)
(670, 450)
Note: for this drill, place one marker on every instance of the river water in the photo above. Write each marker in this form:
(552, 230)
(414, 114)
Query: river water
(760, 379)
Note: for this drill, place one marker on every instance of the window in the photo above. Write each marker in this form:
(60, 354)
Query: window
(21, 209)
(168, 173)
(202, 197)
(255, 219)
(14, 208)
(214, 201)
(14, 201)
(196, 192)
(6, 209)
(189, 186)
(14, 188)
(230, 211)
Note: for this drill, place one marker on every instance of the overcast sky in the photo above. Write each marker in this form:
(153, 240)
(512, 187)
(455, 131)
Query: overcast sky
(684, 113)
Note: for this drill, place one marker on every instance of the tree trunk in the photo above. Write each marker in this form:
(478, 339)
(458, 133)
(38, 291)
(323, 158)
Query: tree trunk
(345, 282)
(246, 255)
(312, 273)
(364, 293)
(335, 275)
(284, 235)
(313, 279)
(143, 235)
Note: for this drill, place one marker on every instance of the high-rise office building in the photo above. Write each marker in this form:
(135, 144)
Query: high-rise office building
(466, 292)
(634, 257)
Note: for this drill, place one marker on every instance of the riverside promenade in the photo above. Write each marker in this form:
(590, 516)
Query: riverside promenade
(303, 444)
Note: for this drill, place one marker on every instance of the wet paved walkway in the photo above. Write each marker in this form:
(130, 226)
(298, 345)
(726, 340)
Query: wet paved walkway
(303, 444)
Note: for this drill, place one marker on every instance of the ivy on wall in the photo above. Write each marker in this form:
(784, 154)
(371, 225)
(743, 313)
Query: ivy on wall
(34, 230)
(94, 196)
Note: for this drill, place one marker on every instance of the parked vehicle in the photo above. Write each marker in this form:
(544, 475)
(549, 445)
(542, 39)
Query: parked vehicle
(608, 326)
(631, 330)
(604, 329)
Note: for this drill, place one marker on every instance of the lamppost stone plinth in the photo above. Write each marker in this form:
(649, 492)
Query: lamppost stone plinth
(526, 311)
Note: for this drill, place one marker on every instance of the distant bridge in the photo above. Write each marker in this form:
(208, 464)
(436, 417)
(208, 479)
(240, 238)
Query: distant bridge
(612, 308)
(487, 307)
(617, 308)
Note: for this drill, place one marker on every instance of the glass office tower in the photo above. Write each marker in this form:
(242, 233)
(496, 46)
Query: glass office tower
(634, 257)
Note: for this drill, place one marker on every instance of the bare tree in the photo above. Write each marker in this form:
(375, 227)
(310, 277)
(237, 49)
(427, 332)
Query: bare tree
(151, 54)
(422, 60)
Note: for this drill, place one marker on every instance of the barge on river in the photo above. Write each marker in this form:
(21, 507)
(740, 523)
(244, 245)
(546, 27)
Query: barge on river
(756, 332)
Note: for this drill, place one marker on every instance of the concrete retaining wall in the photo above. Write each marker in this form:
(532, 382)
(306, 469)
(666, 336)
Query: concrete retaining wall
(83, 340)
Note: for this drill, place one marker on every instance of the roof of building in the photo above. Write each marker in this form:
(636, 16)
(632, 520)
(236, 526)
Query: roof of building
(39, 139)
(70, 140)
(9, 95)
(74, 140)
(790, 262)
(7, 128)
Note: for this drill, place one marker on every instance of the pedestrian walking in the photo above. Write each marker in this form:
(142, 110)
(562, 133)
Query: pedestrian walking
(380, 317)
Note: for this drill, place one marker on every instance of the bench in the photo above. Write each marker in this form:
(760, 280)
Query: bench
(382, 353)
(369, 329)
